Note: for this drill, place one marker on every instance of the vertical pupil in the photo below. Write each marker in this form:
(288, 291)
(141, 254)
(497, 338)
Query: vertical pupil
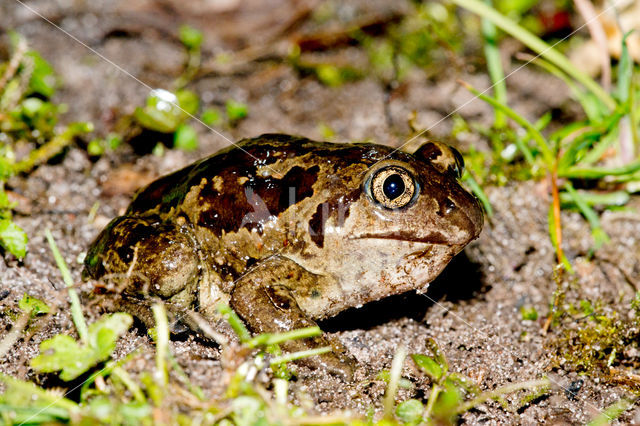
(393, 186)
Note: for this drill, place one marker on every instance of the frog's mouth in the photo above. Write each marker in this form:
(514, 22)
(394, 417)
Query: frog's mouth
(435, 238)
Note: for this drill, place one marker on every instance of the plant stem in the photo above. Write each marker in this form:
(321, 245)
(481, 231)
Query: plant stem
(76, 308)
(485, 396)
(162, 344)
(235, 322)
(133, 387)
(394, 380)
(433, 396)
(557, 224)
(51, 148)
(267, 339)
(299, 355)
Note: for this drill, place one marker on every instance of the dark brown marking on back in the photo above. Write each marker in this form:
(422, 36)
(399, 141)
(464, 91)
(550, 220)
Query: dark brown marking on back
(337, 206)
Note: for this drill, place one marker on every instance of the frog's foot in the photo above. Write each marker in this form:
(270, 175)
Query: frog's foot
(266, 304)
(140, 308)
(145, 257)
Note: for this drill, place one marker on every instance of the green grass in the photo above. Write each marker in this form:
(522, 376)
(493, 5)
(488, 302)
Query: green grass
(573, 154)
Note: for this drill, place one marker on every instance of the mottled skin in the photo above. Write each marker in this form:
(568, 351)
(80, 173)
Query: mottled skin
(289, 231)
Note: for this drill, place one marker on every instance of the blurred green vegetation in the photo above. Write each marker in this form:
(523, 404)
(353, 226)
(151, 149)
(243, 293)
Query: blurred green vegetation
(28, 122)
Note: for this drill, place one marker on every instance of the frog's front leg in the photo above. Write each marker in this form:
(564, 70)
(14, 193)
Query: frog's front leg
(264, 300)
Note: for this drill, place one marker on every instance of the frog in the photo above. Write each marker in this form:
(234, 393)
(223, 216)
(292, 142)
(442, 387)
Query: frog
(289, 231)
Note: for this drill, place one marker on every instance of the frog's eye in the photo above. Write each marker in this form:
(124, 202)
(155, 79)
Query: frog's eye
(393, 187)
(442, 156)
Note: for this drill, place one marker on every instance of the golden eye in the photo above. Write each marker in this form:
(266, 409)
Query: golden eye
(393, 187)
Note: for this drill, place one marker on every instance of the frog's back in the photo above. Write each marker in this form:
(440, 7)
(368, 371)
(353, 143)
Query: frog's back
(269, 166)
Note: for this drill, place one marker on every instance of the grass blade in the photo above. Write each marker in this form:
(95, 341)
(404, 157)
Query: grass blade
(612, 412)
(599, 236)
(494, 66)
(267, 339)
(599, 172)
(538, 46)
(540, 140)
(394, 379)
(478, 192)
(76, 308)
(299, 355)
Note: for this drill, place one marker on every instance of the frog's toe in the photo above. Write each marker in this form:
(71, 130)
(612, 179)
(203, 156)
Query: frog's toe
(338, 366)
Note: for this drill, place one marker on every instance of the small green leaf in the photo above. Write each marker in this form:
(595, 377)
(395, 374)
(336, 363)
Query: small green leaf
(113, 140)
(164, 110)
(13, 238)
(528, 313)
(43, 80)
(188, 101)
(410, 411)
(385, 375)
(5, 204)
(32, 106)
(428, 365)
(185, 138)
(23, 394)
(211, 117)
(62, 353)
(190, 37)
(154, 119)
(449, 398)
(586, 307)
(36, 306)
(329, 75)
(236, 110)
(438, 355)
(625, 71)
(158, 150)
(95, 147)
(104, 333)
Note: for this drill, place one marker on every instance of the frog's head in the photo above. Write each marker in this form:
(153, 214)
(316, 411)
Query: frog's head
(418, 198)
(413, 209)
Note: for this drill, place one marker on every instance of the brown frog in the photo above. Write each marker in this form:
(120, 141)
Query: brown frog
(289, 231)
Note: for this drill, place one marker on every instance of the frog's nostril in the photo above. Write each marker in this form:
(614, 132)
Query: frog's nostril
(448, 206)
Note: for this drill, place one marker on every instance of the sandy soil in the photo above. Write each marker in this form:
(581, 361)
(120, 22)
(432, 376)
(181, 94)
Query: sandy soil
(472, 310)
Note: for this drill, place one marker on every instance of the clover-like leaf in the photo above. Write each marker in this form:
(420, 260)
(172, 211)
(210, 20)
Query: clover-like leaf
(104, 333)
(62, 353)
(410, 411)
(428, 365)
(13, 238)
(36, 306)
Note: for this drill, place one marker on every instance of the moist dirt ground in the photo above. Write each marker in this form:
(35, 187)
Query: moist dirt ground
(472, 310)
